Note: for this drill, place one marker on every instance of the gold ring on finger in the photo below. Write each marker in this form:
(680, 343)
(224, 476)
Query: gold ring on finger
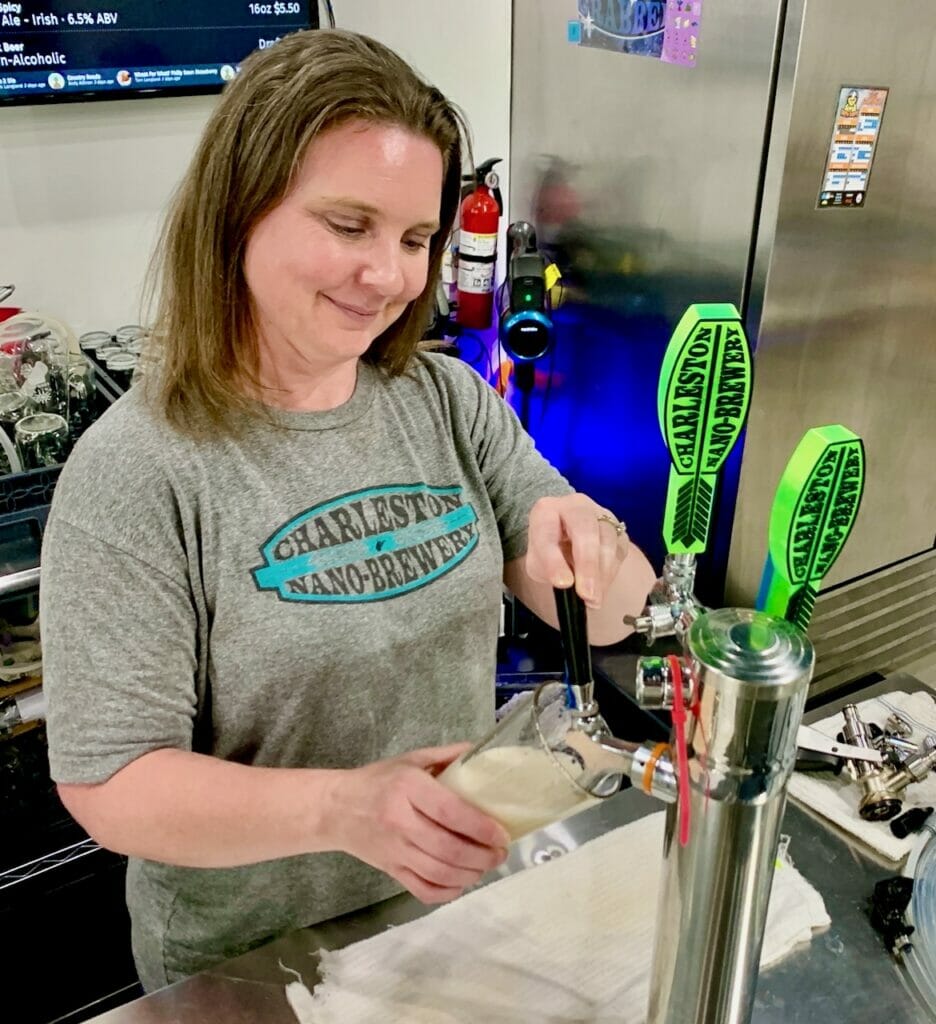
(619, 528)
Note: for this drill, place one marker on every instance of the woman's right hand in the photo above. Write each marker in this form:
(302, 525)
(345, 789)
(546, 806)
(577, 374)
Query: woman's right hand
(397, 817)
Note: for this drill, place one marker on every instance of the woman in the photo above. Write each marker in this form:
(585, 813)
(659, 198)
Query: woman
(272, 572)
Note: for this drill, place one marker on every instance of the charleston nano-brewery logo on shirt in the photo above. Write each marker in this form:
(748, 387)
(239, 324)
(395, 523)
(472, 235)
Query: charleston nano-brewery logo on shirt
(369, 545)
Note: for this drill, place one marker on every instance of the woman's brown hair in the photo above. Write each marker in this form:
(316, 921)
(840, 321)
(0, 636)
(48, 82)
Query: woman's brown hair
(204, 351)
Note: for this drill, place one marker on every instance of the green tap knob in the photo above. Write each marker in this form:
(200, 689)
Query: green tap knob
(813, 513)
(705, 389)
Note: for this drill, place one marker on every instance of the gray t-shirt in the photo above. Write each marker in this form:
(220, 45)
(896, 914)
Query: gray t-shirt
(322, 592)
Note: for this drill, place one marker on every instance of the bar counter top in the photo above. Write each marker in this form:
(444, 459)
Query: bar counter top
(844, 976)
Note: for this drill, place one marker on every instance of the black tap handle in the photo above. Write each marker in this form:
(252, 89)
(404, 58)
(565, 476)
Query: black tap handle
(573, 629)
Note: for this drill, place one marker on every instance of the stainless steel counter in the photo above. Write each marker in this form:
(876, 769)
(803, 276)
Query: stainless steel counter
(844, 976)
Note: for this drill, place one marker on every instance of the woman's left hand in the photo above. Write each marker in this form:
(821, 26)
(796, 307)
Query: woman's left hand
(573, 539)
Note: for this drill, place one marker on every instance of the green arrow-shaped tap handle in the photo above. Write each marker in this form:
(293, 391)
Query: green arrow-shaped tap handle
(705, 389)
(813, 513)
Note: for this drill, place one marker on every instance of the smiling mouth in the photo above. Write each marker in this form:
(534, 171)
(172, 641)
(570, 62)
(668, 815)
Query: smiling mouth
(355, 312)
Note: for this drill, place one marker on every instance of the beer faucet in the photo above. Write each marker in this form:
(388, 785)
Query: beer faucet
(646, 764)
(702, 400)
(814, 511)
(736, 692)
(882, 785)
(736, 696)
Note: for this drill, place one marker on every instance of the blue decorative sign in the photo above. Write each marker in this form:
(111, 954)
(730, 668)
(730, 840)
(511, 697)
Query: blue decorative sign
(665, 29)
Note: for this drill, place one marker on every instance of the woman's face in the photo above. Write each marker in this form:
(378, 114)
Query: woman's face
(339, 258)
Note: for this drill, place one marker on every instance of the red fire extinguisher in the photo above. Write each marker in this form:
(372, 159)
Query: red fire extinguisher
(477, 247)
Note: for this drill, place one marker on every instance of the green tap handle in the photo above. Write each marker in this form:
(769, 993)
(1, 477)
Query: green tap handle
(705, 390)
(813, 513)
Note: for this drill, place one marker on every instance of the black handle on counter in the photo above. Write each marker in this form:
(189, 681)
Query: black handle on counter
(816, 761)
(573, 629)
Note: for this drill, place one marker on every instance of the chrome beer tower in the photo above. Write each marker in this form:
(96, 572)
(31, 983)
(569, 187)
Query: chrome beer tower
(736, 693)
(737, 697)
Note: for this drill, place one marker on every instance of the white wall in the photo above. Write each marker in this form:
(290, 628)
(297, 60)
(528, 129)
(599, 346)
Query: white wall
(463, 48)
(81, 189)
(83, 185)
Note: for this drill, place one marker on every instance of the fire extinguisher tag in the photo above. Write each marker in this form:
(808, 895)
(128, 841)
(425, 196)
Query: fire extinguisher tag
(448, 265)
(471, 244)
(476, 278)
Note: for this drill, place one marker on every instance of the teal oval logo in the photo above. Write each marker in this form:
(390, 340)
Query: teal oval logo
(369, 545)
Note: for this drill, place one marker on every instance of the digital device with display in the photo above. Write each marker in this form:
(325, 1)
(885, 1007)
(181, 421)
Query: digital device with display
(525, 327)
(52, 50)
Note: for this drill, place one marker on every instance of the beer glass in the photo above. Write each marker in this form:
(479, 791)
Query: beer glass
(534, 767)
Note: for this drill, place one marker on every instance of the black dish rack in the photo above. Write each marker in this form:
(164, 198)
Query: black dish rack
(56, 884)
(20, 492)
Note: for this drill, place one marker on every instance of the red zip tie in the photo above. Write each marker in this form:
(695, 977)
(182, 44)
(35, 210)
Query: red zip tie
(682, 752)
(695, 709)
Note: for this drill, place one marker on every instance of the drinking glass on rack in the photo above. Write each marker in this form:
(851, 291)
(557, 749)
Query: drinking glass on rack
(81, 391)
(42, 440)
(14, 405)
(13, 339)
(91, 341)
(9, 366)
(120, 366)
(129, 334)
(9, 457)
(106, 351)
(15, 334)
(534, 767)
(42, 372)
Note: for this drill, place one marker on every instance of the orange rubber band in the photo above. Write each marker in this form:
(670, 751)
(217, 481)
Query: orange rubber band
(658, 751)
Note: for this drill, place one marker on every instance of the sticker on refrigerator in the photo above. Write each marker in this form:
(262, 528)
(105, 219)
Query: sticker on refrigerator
(665, 29)
(681, 32)
(858, 116)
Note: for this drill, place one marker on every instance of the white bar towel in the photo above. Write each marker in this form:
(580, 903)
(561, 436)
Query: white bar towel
(568, 941)
(836, 797)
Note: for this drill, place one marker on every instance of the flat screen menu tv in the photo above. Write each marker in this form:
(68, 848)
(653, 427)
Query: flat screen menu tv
(52, 51)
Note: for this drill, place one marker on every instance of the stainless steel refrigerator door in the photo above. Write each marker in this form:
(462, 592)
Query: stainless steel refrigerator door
(664, 160)
(644, 176)
(846, 329)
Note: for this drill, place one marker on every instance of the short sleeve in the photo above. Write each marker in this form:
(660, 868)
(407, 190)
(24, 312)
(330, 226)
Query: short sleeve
(515, 474)
(118, 655)
(118, 620)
